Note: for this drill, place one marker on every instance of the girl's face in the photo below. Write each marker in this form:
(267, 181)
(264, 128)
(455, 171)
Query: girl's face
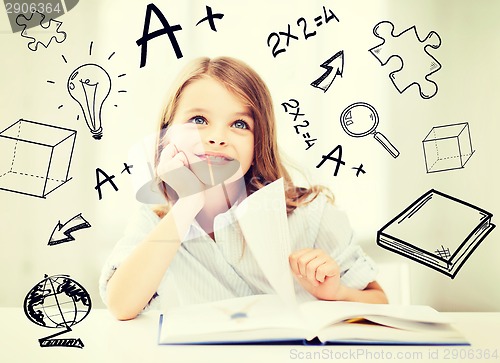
(211, 124)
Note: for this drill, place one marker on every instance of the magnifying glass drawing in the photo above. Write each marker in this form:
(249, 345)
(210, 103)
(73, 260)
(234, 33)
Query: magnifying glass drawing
(361, 119)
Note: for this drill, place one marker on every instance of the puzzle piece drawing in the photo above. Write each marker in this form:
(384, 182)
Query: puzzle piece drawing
(417, 64)
(41, 33)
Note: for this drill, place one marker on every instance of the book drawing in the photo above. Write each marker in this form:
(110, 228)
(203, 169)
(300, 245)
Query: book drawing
(438, 231)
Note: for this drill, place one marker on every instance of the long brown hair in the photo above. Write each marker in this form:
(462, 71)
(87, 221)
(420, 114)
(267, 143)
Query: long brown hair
(241, 80)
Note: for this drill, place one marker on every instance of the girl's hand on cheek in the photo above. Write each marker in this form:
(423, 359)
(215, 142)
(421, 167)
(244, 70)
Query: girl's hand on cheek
(173, 169)
(316, 272)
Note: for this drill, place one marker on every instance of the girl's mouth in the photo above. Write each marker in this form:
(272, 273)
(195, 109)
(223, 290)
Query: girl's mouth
(214, 168)
(215, 159)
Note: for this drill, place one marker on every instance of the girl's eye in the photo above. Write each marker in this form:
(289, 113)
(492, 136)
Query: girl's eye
(240, 124)
(198, 120)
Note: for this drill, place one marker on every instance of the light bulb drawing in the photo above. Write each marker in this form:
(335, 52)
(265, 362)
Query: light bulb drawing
(90, 85)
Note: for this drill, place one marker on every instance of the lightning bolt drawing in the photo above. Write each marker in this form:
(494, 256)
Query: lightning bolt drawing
(62, 232)
(334, 66)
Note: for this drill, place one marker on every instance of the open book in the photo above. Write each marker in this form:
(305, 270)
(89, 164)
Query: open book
(265, 319)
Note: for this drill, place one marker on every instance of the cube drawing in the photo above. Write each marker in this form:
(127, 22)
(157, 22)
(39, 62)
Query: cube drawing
(35, 158)
(447, 147)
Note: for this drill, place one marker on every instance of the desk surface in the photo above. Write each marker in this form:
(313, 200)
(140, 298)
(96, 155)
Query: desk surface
(108, 340)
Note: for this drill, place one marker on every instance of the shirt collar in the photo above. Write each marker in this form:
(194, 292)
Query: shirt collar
(221, 221)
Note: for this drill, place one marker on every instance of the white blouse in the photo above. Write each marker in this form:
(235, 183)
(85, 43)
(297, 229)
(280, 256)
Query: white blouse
(203, 270)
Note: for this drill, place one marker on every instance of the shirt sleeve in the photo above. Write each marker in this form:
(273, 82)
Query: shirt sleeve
(142, 221)
(335, 236)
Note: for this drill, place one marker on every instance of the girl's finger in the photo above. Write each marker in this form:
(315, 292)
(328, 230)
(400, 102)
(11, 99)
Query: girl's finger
(181, 156)
(168, 152)
(193, 158)
(312, 267)
(294, 260)
(329, 268)
(305, 259)
(170, 159)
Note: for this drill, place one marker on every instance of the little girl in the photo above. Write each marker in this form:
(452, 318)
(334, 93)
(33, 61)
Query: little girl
(217, 145)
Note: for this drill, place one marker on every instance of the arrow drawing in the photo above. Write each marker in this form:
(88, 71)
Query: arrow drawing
(62, 232)
(333, 65)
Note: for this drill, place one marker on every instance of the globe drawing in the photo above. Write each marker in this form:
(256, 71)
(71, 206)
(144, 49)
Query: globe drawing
(57, 302)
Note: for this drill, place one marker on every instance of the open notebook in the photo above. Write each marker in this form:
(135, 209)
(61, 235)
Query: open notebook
(265, 319)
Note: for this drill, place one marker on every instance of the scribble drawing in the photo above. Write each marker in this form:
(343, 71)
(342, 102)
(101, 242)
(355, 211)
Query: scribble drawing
(361, 119)
(443, 252)
(35, 158)
(63, 232)
(447, 147)
(417, 64)
(438, 231)
(42, 33)
(334, 66)
(57, 302)
(89, 85)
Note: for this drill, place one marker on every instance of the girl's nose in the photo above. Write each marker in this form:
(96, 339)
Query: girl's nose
(216, 135)
(212, 141)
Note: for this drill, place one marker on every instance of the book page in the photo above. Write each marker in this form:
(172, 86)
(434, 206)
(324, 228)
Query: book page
(263, 220)
(373, 333)
(321, 314)
(250, 317)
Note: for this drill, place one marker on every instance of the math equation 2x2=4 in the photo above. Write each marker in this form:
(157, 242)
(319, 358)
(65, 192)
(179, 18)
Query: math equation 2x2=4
(274, 39)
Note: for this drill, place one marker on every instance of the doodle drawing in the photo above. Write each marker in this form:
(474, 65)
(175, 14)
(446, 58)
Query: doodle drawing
(35, 158)
(417, 64)
(334, 67)
(45, 33)
(438, 231)
(63, 232)
(447, 147)
(361, 119)
(57, 302)
(292, 104)
(102, 178)
(89, 85)
(210, 18)
(303, 30)
(168, 30)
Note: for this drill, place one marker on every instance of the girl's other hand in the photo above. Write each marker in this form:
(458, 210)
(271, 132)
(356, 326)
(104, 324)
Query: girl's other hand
(316, 272)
